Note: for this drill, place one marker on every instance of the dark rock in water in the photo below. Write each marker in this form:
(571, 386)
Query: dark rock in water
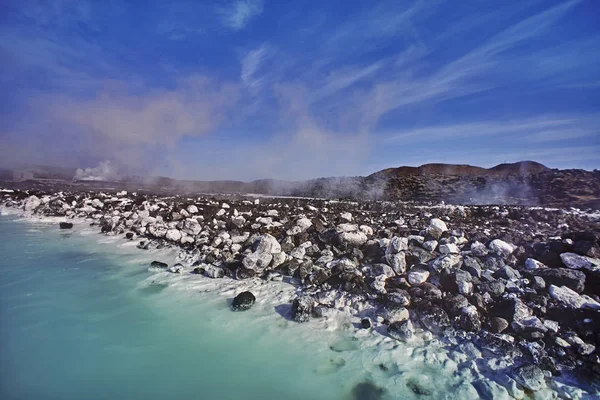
(158, 264)
(302, 308)
(66, 225)
(418, 388)
(243, 301)
(367, 391)
(400, 330)
(366, 323)
(434, 319)
(199, 270)
(129, 235)
(573, 279)
(318, 312)
(244, 273)
(529, 376)
(498, 324)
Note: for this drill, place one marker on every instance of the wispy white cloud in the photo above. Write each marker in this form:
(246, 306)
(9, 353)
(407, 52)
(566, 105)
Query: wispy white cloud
(462, 76)
(238, 14)
(535, 129)
(251, 64)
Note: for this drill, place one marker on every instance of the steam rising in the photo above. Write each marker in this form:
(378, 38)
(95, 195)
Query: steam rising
(105, 171)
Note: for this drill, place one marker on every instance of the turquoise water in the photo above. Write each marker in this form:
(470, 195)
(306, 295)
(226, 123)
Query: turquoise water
(76, 324)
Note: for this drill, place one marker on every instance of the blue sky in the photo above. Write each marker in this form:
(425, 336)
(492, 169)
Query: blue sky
(248, 89)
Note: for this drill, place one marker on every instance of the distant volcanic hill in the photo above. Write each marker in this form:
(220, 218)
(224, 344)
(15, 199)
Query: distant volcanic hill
(518, 168)
(525, 182)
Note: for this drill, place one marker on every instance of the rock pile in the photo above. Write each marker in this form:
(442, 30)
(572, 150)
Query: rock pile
(522, 283)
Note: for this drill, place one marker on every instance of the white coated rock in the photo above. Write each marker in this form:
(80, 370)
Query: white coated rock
(32, 203)
(575, 261)
(367, 230)
(430, 245)
(379, 284)
(267, 244)
(501, 248)
(396, 245)
(355, 239)
(571, 298)
(238, 221)
(532, 264)
(346, 216)
(448, 249)
(436, 227)
(417, 276)
(173, 235)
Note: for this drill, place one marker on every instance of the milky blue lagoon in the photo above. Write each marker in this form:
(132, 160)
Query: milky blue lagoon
(76, 324)
(81, 317)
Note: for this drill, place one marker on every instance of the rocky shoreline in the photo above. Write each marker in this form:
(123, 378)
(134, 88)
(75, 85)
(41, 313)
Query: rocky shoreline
(515, 286)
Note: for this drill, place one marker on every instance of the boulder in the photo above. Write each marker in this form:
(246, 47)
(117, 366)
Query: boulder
(397, 262)
(402, 330)
(436, 228)
(498, 324)
(191, 227)
(494, 288)
(473, 266)
(302, 308)
(66, 225)
(257, 261)
(214, 272)
(352, 239)
(572, 299)
(430, 245)
(417, 275)
(434, 319)
(395, 314)
(157, 265)
(469, 319)
(510, 309)
(573, 279)
(382, 269)
(173, 235)
(533, 264)
(530, 377)
(32, 203)
(507, 273)
(243, 301)
(501, 248)
(175, 269)
(396, 245)
(575, 261)
(267, 244)
(448, 249)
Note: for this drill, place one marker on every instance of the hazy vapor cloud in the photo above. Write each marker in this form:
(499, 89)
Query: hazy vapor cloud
(105, 171)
